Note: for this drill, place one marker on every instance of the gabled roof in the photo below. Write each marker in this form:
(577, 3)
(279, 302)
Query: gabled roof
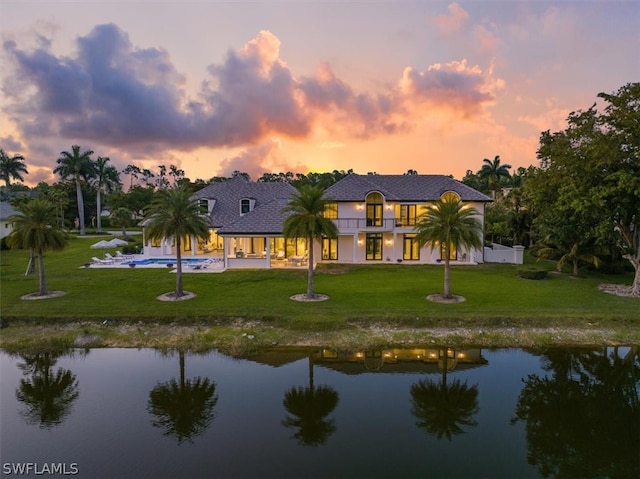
(409, 188)
(227, 196)
(266, 220)
(6, 210)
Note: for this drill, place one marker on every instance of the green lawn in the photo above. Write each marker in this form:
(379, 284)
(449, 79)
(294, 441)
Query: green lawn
(392, 293)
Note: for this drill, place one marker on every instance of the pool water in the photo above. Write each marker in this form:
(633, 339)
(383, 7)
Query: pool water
(165, 261)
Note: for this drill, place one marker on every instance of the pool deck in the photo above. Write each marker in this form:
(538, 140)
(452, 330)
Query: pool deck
(205, 265)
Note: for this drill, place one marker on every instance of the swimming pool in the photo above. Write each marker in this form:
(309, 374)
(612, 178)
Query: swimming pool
(166, 261)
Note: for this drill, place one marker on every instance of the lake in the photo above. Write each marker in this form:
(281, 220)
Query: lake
(430, 411)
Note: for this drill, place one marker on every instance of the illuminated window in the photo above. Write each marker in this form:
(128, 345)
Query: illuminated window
(374, 209)
(450, 195)
(410, 247)
(453, 253)
(374, 246)
(329, 248)
(406, 215)
(330, 210)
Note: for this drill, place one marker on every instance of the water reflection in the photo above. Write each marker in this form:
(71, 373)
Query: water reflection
(441, 408)
(583, 418)
(183, 409)
(308, 408)
(47, 396)
(393, 412)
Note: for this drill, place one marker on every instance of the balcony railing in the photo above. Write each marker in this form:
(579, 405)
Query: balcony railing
(346, 224)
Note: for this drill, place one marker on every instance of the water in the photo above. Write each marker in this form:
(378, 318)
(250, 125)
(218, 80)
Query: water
(439, 413)
(166, 261)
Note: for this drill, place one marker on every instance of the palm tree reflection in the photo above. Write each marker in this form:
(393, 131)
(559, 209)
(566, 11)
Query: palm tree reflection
(183, 409)
(308, 408)
(47, 395)
(443, 409)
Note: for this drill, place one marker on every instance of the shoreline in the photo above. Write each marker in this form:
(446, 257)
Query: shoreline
(242, 336)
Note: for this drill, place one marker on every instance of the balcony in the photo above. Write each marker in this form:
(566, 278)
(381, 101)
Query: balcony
(364, 224)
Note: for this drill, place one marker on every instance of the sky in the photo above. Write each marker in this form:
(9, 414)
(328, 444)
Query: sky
(313, 86)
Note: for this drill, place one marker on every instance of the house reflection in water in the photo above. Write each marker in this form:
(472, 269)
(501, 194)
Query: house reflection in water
(401, 360)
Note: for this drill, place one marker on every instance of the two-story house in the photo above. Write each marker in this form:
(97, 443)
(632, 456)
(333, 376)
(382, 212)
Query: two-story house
(375, 216)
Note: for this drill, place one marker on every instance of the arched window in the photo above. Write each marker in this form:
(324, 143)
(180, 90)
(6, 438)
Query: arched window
(374, 209)
(450, 195)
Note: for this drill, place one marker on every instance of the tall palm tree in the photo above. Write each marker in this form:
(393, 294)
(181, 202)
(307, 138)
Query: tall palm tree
(35, 226)
(11, 167)
(183, 409)
(78, 166)
(492, 173)
(106, 179)
(306, 220)
(450, 223)
(173, 214)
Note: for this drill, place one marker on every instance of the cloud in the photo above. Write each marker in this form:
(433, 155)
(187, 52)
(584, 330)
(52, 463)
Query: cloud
(114, 94)
(454, 20)
(265, 157)
(453, 86)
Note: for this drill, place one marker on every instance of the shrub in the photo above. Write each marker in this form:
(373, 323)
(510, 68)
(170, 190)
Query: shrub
(532, 273)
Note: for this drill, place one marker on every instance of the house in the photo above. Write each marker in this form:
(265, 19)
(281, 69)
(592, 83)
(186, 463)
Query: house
(375, 216)
(6, 211)
(224, 204)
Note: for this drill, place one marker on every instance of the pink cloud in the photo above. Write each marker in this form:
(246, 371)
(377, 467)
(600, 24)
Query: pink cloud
(454, 21)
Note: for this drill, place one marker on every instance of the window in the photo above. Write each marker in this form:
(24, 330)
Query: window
(374, 246)
(187, 243)
(374, 209)
(203, 206)
(329, 248)
(410, 247)
(453, 253)
(155, 243)
(330, 211)
(450, 195)
(245, 206)
(406, 215)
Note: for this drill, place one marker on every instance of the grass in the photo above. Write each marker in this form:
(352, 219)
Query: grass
(361, 297)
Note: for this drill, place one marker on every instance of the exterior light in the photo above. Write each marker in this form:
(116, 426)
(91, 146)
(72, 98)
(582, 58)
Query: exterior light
(360, 206)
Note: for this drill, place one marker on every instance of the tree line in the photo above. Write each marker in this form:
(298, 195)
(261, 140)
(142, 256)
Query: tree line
(580, 206)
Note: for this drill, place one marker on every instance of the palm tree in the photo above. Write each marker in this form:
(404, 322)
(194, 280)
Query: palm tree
(492, 173)
(106, 178)
(183, 409)
(78, 166)
(306, 220)
(450, 223)
(173, 214)
(11, 167)
(35, 226)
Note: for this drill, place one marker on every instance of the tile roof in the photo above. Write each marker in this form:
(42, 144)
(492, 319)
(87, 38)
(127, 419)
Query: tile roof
(6, 210)
(414, 188)
(227, 196)
(266, 220)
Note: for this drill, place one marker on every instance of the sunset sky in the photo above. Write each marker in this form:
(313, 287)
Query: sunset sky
(383, 86)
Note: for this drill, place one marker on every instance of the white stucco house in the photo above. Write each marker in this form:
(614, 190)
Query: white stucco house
(6, 211)
(375, 216)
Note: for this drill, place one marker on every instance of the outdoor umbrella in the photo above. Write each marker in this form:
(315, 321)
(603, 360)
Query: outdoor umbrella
(101, 244)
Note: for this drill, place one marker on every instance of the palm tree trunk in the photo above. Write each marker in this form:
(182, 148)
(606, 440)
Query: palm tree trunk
(179, 292)
(447, 280)
(80, 207)
(43, 284)
(310, 293)
(99, 211)
(575, 267)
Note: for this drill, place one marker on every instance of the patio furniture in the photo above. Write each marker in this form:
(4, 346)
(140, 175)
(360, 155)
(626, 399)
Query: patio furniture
(101, 261)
